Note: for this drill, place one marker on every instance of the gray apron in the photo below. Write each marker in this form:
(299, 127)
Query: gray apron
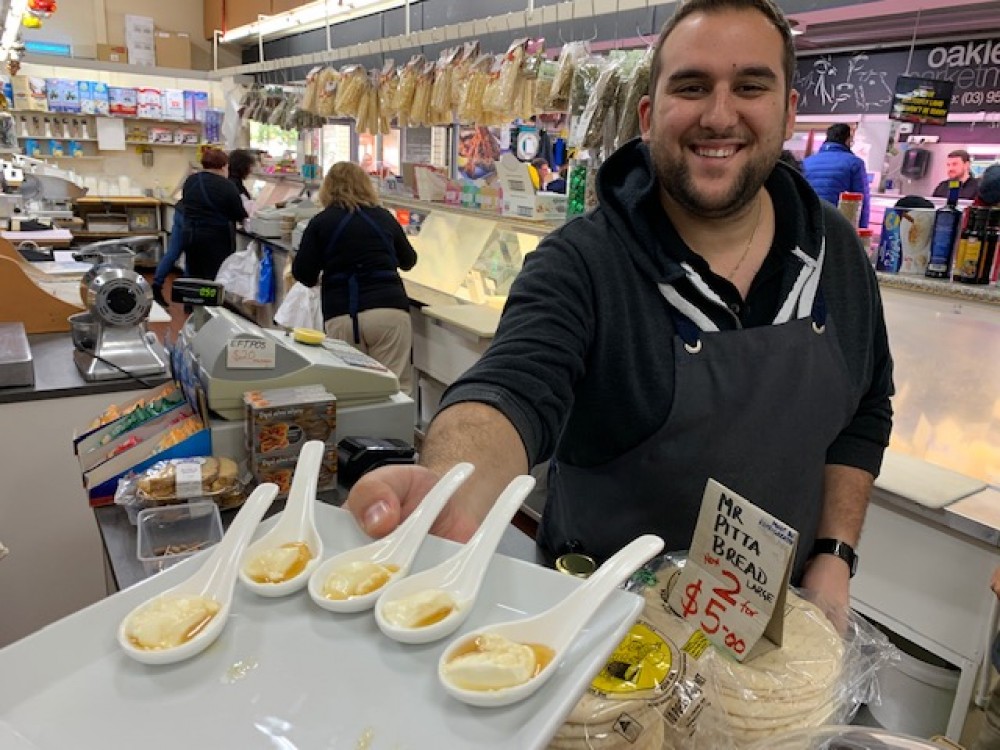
(755, 409)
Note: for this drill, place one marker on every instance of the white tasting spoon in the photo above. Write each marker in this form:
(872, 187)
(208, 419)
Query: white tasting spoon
(394, 551)
(458, 578)
(553, 629)
(297, 525)
(214, 581)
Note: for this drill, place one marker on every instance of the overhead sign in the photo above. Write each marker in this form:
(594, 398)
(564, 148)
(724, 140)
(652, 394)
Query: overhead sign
(923, 100)
(864, 82)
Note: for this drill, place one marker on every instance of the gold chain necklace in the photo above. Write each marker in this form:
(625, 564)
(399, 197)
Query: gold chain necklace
(746, 250)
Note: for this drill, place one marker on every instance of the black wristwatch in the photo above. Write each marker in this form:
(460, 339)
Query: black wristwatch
(836, 547)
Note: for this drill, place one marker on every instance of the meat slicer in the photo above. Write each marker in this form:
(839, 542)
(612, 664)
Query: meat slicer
(110, 339)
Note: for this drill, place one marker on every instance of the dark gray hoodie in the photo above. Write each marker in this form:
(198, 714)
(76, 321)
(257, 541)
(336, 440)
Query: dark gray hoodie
(582, 363)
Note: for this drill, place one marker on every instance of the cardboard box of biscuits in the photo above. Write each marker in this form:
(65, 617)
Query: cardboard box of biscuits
(279, 422)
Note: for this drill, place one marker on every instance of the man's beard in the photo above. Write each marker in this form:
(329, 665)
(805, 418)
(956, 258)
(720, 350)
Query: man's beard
(675, 178)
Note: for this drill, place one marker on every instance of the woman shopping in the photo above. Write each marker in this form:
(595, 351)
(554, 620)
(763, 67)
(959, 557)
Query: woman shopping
(212, 206)
(358, 246)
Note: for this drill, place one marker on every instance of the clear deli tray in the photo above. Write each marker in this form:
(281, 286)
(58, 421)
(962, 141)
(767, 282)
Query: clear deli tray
(287, 674)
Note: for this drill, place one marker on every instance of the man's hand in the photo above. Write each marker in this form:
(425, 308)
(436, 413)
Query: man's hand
(830, 578)
(995, 582)
(384, 498)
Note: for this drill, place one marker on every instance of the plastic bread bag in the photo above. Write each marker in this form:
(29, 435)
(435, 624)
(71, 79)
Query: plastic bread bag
(500, 93)
(630, 92)
(589, 129)
(409, 75)
(326, 92)
(420, 109)
(388, 82)
(818, 676)
(310, 97)
(443, 72)
(351, 89)
(468, 54)
(852, 738)
(470, 107)
(181, 480)
(562, 83)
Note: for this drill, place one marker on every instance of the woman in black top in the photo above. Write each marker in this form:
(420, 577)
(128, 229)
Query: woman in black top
(241, 164)
(212, 205)
(358, 245)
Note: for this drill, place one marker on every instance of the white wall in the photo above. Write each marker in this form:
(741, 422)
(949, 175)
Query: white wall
(87, 23)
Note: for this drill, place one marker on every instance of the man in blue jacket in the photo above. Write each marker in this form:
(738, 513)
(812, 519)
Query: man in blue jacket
(834, 170)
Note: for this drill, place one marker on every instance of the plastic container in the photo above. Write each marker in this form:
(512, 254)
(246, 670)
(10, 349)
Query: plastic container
(865, 235)
(169, 534)
(917, 692)
(850, 206)
(848, 738)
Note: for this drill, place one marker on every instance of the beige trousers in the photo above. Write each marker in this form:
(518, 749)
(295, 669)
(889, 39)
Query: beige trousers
(386, 335)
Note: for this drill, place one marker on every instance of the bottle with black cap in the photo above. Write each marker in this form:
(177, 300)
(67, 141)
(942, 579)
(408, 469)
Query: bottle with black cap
(947, 223)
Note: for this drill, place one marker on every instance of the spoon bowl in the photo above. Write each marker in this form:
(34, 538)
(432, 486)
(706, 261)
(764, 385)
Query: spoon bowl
(396, 549)
(460, 576)
(214, 580)
(555, 629)
(296, 524)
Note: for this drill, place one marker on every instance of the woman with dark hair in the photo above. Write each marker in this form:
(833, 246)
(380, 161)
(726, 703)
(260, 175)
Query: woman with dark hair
(212, 206)
(241, 164)
(357, 245)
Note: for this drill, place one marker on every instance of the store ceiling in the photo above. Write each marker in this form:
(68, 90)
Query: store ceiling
(884, 22)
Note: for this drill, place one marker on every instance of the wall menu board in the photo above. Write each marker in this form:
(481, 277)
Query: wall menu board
(923, 100)
(864, 82)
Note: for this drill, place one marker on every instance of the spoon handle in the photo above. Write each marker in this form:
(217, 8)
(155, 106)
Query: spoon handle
(586, 599)
(300, 508)
(223, 564)
(412, 531)
(484, 543)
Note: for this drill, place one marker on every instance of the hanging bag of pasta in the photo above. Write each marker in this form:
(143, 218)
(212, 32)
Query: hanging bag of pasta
(420, 109)
(562, 83)
(470, 106)
(351, 89)
(327, 91)
(310, 97)
(409, 75)
(388, 82)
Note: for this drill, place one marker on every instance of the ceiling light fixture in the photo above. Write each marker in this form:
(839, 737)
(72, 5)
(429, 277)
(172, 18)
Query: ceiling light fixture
(310, 16)
(12, 25)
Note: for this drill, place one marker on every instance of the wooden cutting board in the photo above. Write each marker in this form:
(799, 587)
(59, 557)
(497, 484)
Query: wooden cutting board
(925, 483)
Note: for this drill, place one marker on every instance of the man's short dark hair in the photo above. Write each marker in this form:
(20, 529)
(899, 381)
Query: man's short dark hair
(839, 132)
(540, 161)
(960, 153)
(765, 7)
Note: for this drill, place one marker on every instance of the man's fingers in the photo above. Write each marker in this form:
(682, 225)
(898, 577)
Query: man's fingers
(383, 498)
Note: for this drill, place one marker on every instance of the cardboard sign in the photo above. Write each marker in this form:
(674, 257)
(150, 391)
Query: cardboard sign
(734, 584)
(248, 352)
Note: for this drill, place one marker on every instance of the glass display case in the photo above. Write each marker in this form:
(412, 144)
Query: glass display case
(471, 255)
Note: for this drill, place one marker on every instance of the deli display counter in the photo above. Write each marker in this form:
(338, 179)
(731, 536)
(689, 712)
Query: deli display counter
(467, 260)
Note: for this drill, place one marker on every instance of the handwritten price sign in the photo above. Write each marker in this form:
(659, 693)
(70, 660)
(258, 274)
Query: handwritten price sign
(248, 352)
(733, 586)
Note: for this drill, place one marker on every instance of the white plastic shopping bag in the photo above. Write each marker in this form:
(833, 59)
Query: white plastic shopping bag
(238, 273)
(301, 308)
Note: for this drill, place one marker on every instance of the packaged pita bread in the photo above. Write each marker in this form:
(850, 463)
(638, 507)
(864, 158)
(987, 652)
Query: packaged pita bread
(667, 668)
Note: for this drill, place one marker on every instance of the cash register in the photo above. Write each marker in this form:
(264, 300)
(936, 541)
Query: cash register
(229, 354)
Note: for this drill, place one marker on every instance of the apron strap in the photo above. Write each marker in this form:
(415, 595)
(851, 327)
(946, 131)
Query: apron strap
(352, 279)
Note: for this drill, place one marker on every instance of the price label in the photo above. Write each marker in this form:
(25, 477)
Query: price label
(249, 352)
(733, 586)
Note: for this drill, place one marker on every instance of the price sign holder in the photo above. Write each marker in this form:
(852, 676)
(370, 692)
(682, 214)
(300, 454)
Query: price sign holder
(245, 351)
(734, 584)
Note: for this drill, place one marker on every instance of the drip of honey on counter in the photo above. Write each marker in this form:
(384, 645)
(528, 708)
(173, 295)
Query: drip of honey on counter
(297, 566)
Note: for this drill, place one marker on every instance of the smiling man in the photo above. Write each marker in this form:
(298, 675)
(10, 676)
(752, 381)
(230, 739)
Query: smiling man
(712, 318)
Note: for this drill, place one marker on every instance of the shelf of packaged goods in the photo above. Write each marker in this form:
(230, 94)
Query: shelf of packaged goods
(169, 145)
(55, 138)
(41, 113)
